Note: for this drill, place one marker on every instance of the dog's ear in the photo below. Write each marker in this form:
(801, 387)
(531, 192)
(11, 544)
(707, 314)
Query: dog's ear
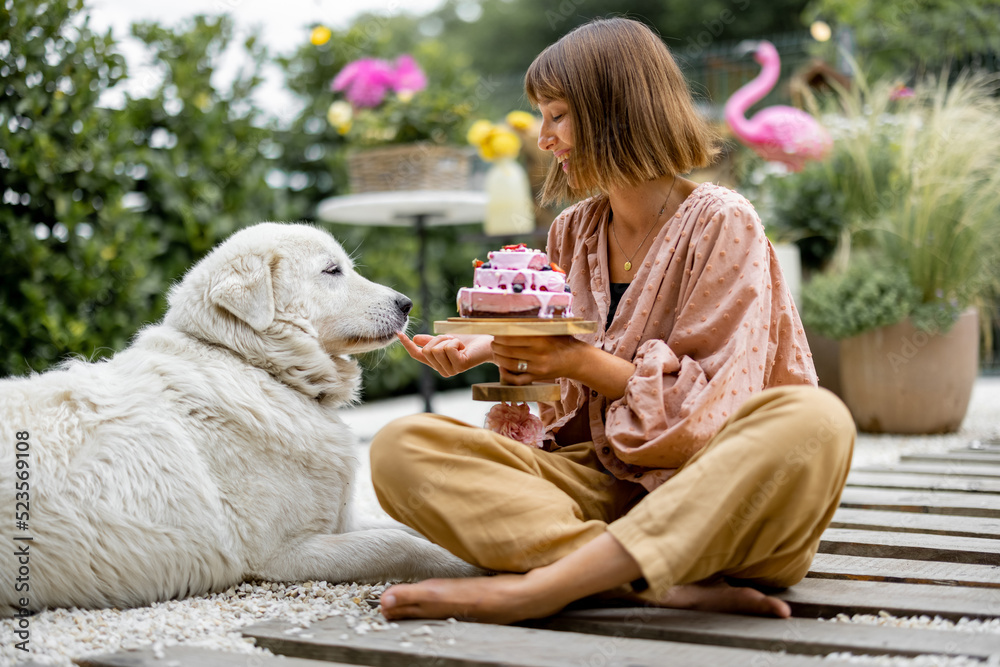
(243, 288)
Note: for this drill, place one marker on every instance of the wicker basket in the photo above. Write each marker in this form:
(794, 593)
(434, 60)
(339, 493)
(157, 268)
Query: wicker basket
(418, 166)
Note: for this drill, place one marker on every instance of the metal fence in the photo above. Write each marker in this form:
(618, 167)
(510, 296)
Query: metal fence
(716, 71)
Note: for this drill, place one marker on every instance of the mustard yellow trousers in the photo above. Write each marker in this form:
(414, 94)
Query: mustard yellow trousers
(751, 505)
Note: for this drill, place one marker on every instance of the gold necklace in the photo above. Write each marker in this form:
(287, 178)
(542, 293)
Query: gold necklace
(628, 261)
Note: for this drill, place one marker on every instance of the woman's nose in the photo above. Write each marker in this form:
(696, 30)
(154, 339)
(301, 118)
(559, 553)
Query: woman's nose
(545, 140)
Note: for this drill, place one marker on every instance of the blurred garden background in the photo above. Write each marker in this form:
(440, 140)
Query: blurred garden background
(110, 191)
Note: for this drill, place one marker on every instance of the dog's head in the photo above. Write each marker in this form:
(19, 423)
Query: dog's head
(286, 298)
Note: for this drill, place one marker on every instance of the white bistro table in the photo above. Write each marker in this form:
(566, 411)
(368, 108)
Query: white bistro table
(419, 209)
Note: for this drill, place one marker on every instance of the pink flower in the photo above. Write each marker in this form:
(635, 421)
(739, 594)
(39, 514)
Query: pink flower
(409, 77)
(901, 92)
(516, 422)
(365, 82)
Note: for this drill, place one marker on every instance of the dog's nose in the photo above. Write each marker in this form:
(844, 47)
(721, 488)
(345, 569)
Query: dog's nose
(404, 304)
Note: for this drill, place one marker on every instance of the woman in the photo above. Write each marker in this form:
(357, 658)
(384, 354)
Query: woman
(691, 450)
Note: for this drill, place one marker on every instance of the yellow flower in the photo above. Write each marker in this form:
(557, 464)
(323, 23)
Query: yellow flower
(320, 35)
(520, 120)
(486, 151)
(339, 115)
(479, 132)
(504, 143)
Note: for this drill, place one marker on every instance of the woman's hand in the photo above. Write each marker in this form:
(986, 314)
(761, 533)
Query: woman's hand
(551, 357)
(448, 355)
(525, 359)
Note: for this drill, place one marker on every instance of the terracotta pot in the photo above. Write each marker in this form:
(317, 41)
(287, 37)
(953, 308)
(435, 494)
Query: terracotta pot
(899, 379)
(826, 357)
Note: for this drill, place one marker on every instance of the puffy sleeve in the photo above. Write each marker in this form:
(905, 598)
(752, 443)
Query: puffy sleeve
(734, 332)
(556, 244)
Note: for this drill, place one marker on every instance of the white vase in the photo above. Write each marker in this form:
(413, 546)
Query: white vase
(790, 261)
(509, 209)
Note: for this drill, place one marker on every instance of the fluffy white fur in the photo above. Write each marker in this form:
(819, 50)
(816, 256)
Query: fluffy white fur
(209, 451)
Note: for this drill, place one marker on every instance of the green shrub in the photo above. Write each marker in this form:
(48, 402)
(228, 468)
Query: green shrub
(864, 297)
(76, 272)
(202, 154)
(104, 207)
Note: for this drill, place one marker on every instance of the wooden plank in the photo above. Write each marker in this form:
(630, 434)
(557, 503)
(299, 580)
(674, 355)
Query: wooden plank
(457, 644)
(879, 544)
(984, 445)
(824, 598)
(894, 480)
(544, 392)
(913, 522)
(196, 657)
(794, 635)
(989, 471)
(904, 571)
(929, 502)
(975, 458)
(979, 446)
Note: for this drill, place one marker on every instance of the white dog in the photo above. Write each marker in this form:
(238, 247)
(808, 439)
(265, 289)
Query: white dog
(209, 451)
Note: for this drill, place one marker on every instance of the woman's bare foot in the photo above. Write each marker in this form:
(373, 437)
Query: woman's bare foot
(505, 598)
(601, 565)
(508, 598)
(720, 596)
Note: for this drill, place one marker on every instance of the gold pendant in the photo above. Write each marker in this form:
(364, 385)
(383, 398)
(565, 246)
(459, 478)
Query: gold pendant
(628, 266)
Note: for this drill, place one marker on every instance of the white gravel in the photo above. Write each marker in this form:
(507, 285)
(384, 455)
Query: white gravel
(214, 621)
(211, 622)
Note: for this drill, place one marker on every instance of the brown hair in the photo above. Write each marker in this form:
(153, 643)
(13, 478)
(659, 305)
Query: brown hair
(633, 116)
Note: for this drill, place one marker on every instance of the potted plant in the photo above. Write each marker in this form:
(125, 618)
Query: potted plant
(803, 214)
(921, 180)
(404, 132)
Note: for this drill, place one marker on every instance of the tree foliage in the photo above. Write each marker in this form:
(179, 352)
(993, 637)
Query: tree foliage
(74, 275)
(914, 36)
(105, 207)
(202, 155)
(508, 34)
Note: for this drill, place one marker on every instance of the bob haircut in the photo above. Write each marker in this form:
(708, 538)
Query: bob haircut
(633, 116)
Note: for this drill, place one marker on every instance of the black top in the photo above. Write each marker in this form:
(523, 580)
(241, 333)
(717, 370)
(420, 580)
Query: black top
(617, 291)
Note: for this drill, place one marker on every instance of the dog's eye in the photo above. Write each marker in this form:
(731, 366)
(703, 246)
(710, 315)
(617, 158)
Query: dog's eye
(332, 270)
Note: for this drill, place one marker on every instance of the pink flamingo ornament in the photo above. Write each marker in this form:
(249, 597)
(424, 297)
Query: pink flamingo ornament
(778, 133)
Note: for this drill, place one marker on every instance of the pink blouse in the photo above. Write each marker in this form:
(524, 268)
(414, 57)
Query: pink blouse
(707, 321)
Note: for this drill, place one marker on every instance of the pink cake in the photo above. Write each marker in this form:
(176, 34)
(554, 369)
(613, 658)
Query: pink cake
(516, 282)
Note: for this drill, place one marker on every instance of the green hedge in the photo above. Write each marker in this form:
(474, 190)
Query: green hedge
(105, 207)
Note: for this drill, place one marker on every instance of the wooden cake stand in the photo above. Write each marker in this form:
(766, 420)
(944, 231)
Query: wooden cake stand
(544, 392)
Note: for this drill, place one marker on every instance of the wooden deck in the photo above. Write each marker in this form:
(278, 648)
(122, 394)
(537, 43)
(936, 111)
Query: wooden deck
(918, 538)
